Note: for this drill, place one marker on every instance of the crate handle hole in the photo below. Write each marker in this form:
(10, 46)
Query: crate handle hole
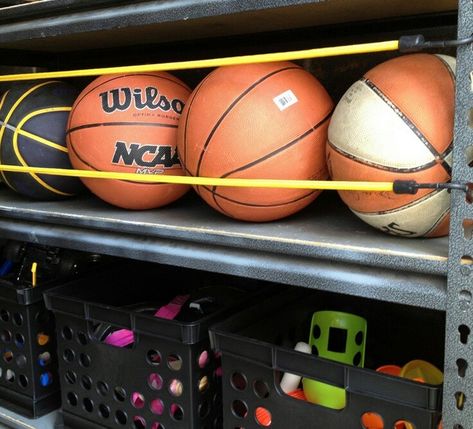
(46, 379)
(460, 399)
(4, 315)
(42, 338)
(204, 384)
(23, 381)
(371, 420)
(239, 381)
(261, 389)
(119, 394)
(5, 336)
(139, 422)
(82, 338)
(157, 425)
(177, 412)
(88, 405)
(263, 417)
(70, 377)
(239, 409)
(44, 359)
(155, 381)
(116, 337)
(464, 333)
(104, 411)
(174, 362)
(86, 382)
(204, 409)
(8, 356)
(84, 360)
(72, 399)
(404, 424)
(462, 365)
(121, 417)
(137, 400)
(203, 359)
(102, 388)
(17, 319)
(67, 333)
(21, 361)
(157, 407)
(153, 357)
(175, 387)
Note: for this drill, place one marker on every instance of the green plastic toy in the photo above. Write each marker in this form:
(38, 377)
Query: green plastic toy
(340, 337)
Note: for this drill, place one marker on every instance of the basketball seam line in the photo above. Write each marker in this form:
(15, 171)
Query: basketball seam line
(186, 119)
(229, 109)
(242, 203)
(277, 151)
(262, 205)
(397, 209)
(404, 118)
(437, 222)
(449, 69)
(384, 167)
(35, 137)
(109, 124)
(282, 148)
(79, 100)
(19, 156)
(120, 180)
(215, 193)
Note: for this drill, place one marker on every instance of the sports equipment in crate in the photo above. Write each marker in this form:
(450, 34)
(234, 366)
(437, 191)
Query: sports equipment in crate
(168, 376)
(29, 382)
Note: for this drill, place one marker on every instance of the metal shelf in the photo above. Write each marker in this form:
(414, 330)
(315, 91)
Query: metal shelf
(324, 241)
(82, 24)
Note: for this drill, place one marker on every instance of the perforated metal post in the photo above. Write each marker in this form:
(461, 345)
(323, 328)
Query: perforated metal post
(458, 391)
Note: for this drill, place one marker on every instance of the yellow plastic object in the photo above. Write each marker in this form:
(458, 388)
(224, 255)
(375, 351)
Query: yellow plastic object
(208, 181)
(340, 337)
(42, 339)
(34, 266)
(362, 48)
(422, 371)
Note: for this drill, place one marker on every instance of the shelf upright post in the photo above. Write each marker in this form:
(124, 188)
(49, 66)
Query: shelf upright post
(458, 386)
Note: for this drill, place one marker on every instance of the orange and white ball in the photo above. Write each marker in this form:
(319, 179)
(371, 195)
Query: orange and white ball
(396, 122)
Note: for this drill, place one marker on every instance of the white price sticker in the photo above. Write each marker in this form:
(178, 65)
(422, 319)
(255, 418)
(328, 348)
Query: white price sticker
(285, 100)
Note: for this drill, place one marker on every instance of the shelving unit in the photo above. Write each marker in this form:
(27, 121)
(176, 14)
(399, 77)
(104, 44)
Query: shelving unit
(323, 247)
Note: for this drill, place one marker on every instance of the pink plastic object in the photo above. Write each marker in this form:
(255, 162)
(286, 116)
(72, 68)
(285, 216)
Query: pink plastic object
(171, 310)
(125, 337)
(120, 338)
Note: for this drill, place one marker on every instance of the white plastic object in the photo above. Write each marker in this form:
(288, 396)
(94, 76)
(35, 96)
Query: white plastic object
(290, 382)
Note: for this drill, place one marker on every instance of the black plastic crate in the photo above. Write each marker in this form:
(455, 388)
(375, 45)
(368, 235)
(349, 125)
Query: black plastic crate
(101, 383)
(29, 383)
(257, 348)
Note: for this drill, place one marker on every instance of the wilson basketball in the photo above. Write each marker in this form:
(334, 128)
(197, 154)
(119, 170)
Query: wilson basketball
(259, 121)
(128, 123)
(396, 122)
(33, 118)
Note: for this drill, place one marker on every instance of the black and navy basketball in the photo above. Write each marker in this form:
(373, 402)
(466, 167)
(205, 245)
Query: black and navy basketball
(33, 119)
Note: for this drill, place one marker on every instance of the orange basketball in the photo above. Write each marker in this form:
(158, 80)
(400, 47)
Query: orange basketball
(259, 121)
(396, 123)
(128, 123)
